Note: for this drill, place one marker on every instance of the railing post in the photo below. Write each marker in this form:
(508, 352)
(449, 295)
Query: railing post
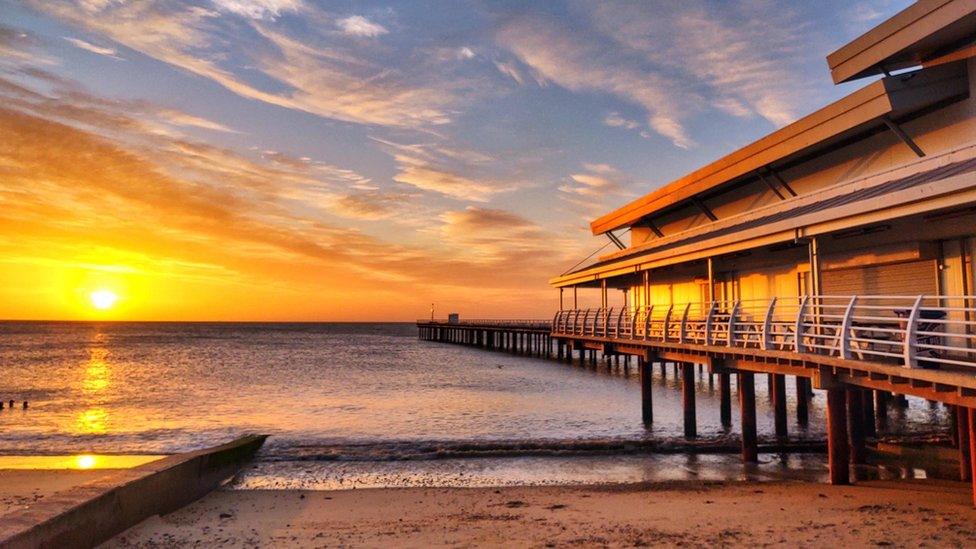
(683, 331)
(586, 315)
(606, 322)
(667, 323)
(647, 322)
(911, 326)
(620, 317)
(844, 337)
(735, 311)
(798, 345)
(708, 323)
(767, 340)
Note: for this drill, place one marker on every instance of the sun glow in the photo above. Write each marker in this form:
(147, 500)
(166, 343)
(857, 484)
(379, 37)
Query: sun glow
(103, 299)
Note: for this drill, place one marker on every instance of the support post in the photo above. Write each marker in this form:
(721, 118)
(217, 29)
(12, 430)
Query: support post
(802, 401)
(855, 425)
(725, 390)
(971, 412)
(837, 446)
(867, 404)
(965, 457)
(688, 399)
(747, 407)
(779, 404)
(647, 401)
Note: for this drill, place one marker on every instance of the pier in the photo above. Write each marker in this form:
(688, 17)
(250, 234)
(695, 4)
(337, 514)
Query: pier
(525, 337)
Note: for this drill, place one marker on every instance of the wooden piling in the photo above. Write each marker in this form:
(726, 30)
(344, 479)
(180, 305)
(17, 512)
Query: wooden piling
(647, 404)
(838, 455)
(725, 396)
(867, 406)
(962, 430)
(746, 382)
(881, 400)
(779, 404)
(971, 422)
(688, 399)
(802, 401)
(855, 426)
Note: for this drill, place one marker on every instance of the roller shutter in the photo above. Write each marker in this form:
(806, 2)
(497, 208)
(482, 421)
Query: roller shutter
(909, 278)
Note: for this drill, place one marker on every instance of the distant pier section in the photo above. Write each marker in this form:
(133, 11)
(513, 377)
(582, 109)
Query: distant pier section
(527, 337)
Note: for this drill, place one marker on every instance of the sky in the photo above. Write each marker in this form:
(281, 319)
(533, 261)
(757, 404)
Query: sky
(303, 160)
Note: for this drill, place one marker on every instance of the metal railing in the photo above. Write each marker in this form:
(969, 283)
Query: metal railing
(542, 324)
(914, 331)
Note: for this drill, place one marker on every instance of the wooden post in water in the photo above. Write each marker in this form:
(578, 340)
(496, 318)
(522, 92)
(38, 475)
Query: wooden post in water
(837, 446)
(802, 401)
(971, 413)
(779, 404)
(962, 430)
(725, 390)
(746, 382)
(867, 405)
(688, 399)
(881, 400)
(647, 401)
(855, 425)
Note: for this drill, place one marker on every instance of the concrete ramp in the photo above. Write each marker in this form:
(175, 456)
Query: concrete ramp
(93, 512)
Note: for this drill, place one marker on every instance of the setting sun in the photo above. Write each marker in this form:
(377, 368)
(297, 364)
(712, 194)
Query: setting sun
(103, 299)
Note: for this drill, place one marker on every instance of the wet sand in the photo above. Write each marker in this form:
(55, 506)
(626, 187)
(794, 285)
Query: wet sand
(899, 513)
(21, 488)
(27, 479)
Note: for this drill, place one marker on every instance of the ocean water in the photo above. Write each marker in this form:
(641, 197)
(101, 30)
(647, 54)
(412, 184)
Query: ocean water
(362, 405)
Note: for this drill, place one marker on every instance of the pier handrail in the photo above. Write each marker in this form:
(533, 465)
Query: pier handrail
(911, 331)
(500, 322)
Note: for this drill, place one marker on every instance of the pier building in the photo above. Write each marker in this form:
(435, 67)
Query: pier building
(837, 249)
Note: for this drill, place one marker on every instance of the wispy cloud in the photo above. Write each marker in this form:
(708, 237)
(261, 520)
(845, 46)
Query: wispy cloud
(584, 62)
(258, 9)
(590, 191)
(313, 75)
(357, 25)
(88, 46)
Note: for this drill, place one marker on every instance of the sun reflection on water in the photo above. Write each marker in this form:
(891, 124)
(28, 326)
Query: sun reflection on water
(93, 421)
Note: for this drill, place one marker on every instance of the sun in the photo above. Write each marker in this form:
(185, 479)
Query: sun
(103, 299)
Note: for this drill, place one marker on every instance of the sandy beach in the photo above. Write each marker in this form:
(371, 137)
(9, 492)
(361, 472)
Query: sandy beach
(20, 488)
(882, 513)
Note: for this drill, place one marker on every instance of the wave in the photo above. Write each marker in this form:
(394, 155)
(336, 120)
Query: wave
(412, 450)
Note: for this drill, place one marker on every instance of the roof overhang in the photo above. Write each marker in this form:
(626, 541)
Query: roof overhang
(924, 30)
(895, 97)
(933, 183)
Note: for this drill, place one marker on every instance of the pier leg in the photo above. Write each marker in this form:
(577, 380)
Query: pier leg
(867, 402)
(647, 404)
(746, 382)
(971, 421)
(855, 426)
(962, 428)
(881, 399)
(779, 404)
(802, 401)
(688, 399)
(837, 447)
(725, 390)
(664, 371)
(769, 387)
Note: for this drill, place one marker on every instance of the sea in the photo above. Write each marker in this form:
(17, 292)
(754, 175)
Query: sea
(359, 405)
